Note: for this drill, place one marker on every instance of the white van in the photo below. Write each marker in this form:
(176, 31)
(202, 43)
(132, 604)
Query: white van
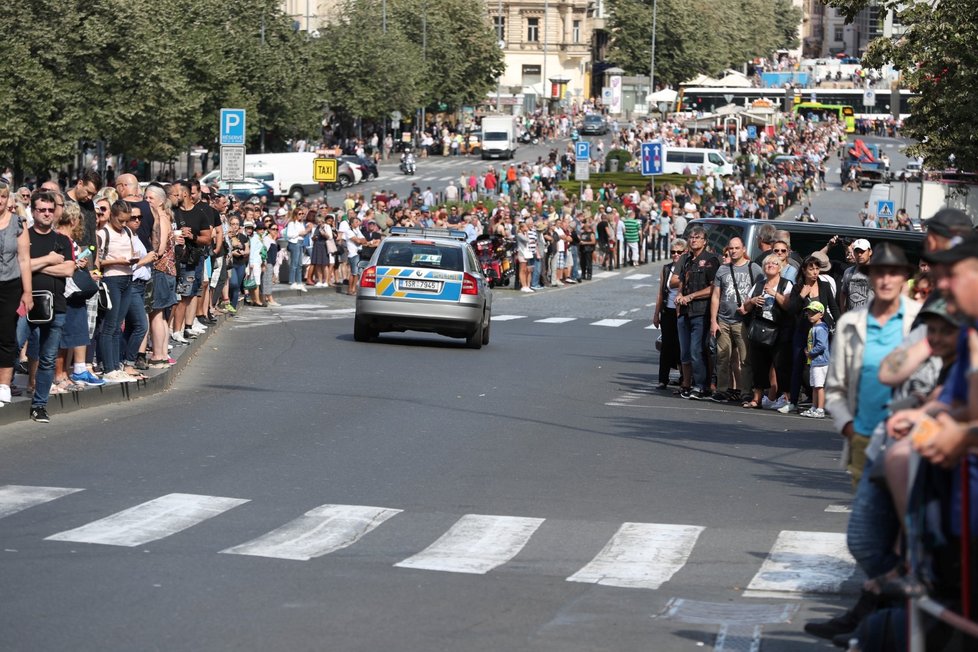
(696, 160)
(289, 174)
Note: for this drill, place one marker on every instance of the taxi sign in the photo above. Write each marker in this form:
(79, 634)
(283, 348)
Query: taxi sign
(325, 170)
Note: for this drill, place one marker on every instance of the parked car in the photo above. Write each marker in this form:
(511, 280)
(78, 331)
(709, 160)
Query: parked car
(246, 190)
(368, 166)
(594, 124)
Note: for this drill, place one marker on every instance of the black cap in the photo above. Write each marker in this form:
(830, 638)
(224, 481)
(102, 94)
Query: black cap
(961, 247)
(949, 222)
(888, 254)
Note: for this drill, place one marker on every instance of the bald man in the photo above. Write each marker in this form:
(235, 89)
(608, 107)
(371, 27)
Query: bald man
(127, 185)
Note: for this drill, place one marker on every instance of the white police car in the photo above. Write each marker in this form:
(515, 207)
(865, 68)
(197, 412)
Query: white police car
(424, 280)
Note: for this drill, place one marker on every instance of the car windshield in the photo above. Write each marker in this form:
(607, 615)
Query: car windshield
(414, 254)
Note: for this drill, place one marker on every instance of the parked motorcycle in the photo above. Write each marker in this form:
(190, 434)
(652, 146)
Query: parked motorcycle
(528, 139)
(496, 257)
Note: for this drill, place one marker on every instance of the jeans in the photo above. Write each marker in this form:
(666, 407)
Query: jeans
(537, 267)
(574, 255)
(295, 263)
(137, 321)
(873, 527)
(661, 249)
(692, 331)
(110, 341)
(49, 339)
(235, 281)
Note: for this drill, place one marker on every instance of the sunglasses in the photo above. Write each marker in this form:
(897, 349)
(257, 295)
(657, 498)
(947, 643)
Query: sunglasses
(677, 253)
(43, 210)
(100, 209)
(780, 251)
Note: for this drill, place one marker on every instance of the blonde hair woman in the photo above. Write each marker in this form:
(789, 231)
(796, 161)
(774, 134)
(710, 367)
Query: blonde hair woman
(15, 286)
(164, 275)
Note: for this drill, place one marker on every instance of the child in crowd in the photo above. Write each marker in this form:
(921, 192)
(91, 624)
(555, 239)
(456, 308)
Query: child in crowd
(817, 351)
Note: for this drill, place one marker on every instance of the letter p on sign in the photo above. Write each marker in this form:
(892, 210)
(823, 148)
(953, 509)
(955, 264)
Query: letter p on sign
(232, 127)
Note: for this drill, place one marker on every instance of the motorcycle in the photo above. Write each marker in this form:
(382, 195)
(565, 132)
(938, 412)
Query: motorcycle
(407, 164)
(528, 139)
(496, 256)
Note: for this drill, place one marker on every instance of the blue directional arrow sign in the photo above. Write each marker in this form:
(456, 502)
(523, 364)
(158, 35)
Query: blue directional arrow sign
(232, 127)
(582, 150)
(652, 158)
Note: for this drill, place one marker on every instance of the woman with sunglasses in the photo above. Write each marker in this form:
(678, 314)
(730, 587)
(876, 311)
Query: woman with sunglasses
(665, 318)
(15, 286)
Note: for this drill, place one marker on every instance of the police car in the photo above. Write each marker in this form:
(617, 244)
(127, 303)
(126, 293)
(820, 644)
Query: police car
(425, 280)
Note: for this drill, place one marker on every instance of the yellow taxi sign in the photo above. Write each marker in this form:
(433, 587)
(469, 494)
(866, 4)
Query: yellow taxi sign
(324, 170)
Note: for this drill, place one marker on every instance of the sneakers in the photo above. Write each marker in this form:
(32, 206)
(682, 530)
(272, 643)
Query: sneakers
(5, 394)
(319, 285)
(814, 413)
(787, 408)
(40, 415)
(189, 334)
(231, 310)
(179, 338)
(198, 325)
(695, 395)
(86, 378)
(526, 288)
(118, 376)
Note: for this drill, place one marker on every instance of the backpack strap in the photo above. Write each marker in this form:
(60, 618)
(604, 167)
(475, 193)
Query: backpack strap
(105, 243)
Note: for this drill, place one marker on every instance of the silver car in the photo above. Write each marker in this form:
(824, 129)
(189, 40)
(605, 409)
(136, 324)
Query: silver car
(424, 280)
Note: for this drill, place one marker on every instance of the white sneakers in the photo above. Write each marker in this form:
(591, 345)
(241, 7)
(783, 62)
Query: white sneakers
(299, 286)
(814, 413)
(525, 288)
(197, 327)
(179, 338)
(5, 395)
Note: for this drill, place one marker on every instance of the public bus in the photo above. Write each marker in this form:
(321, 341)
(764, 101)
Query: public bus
(843, 113)
(707, 99)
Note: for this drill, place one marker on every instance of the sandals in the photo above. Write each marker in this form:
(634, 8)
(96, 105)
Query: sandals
(751, 405)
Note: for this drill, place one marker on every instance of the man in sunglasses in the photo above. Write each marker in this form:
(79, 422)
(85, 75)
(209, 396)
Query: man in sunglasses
(856, 291)
(52, 263)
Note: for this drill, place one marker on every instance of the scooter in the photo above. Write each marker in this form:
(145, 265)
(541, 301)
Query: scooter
(527, 138)
(407, 163)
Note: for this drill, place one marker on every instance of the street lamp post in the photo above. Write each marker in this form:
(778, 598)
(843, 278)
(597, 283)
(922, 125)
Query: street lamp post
(543, 77)
(499, 39)
(655, 8)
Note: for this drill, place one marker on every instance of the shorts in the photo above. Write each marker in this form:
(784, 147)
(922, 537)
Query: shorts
(217, 267)
(560, 260)
(164, 290)
(354, 261)
(817, 376)
(75, 331)
(189, 281)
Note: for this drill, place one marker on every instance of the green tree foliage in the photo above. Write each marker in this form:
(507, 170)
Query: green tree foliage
(937, 58)
(698, 36)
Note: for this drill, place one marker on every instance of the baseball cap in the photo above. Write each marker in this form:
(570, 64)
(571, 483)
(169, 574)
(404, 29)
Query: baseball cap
(815, 306)
(282, 211)
(863, 244)
(938, 308)
(248, 223)
(961, 247)
(949, 222)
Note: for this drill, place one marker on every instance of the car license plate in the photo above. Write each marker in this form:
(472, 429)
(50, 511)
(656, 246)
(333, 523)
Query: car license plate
(417, 284)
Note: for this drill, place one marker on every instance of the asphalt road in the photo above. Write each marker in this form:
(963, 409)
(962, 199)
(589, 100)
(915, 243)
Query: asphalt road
(300, 491)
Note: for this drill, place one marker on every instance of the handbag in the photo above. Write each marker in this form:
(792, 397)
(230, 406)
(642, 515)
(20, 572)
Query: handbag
(43, 310)
(104, 299)
(762, 331)
(84, 288)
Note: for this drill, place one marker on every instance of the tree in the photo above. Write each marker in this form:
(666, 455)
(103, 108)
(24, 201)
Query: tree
(937, 59)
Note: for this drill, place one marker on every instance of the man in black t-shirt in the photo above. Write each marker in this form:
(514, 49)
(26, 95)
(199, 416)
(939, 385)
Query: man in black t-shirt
(52, 261)
(194, 222)
(696, 271)
(89, 183)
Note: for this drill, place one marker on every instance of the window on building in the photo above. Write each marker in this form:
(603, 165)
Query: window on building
(838, 36)
(577, 31)
(533, 30)
(499, 26)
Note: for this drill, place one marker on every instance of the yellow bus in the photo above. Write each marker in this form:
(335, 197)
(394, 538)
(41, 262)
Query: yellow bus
(842, 112)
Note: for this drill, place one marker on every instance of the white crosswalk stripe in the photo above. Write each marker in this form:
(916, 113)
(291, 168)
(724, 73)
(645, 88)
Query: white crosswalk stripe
(318, 532)
(637, 556)
(612, 323)
(150, 521)
(641, 556)
(803, 563)
(15, 498)
(637, 277)
(555, 320)
(507, 317)
(475, 544)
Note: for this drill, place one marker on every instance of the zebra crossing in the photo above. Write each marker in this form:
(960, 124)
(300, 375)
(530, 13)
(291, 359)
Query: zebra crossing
(637, 556)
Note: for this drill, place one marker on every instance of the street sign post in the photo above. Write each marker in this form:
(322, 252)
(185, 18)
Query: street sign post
(582, 170)
(582, 150)
(884, 210)
(752, 132)
(232, 163)
(324, 170)
(232, 127)
(652, 158)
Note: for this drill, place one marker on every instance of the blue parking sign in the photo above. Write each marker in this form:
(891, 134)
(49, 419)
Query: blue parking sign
(752, 132)
(232, 127)
(652, 158)
(582, 150)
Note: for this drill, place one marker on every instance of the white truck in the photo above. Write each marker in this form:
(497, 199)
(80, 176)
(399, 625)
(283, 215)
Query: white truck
(498, 136)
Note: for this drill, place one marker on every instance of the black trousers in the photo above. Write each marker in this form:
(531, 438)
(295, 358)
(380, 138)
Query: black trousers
(10, 293)
(669, 355)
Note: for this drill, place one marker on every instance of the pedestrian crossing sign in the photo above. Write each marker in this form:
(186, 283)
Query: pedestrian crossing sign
(884, 210)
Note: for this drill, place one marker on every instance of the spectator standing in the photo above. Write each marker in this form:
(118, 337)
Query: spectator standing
(295, 232)
(856, 291)
(164, 275)
(853, 394)
(664, 316)
(697, 270)
(817, 354)
(116, 254)
(51, 264)
(733, 282)
(768, 347)
(15, 286)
